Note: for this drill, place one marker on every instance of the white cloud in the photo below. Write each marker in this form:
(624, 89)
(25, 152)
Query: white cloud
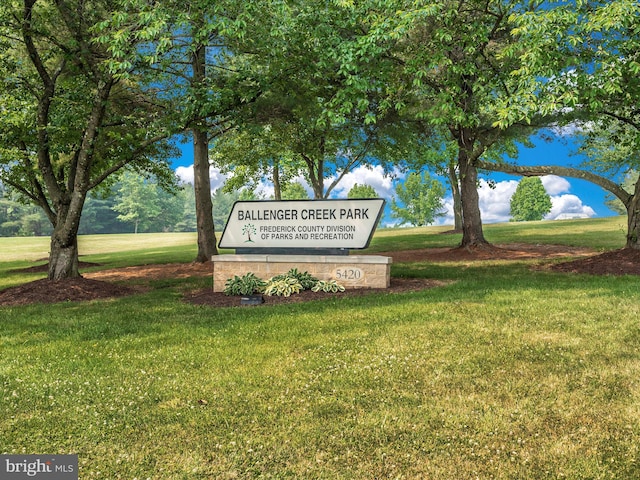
(555, 185)
(495, 200)
(571, 129)
(374, 177)
(568, 206)
(563, 204)
(185, 174)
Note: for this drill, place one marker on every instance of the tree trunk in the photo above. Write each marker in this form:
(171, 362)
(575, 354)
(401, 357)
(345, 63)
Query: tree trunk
(633, 219)
(63, 258)
(457, 201)
(204, 206)
(201, 178)
(316, 178)
(472, 234)
(277, 188)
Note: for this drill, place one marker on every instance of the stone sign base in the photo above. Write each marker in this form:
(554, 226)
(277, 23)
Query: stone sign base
(352, 271)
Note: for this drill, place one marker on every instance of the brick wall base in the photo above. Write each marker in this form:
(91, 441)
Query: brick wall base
(352, 271)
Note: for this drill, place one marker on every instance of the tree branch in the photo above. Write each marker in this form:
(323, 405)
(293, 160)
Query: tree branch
(44, 101)
(128, 159)
(539, 171)
(623, 119)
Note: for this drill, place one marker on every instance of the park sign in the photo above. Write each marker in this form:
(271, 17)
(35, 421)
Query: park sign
(301, 225)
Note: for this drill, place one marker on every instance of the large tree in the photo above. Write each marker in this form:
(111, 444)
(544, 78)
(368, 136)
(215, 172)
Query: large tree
(584, 59)
(600, 169)
(305, 115)
(199, 53)
(137, 201)
(249, 155)
(464, 84)
(297, 143)
(449, 71)
(71, 116)
(214, 46)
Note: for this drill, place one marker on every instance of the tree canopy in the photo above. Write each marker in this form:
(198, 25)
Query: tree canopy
(420, 200)
(530, 201)
(70, 118)
(582, 66)
(362, 191)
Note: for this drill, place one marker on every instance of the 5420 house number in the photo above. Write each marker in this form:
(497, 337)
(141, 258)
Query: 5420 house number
(348, 274)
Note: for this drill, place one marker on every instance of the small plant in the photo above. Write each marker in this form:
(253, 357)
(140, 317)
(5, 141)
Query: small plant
(246, 285)
(282, 287)
(329, 286)
(304, 278)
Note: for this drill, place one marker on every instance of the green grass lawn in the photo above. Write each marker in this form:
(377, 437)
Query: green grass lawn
(507, 372)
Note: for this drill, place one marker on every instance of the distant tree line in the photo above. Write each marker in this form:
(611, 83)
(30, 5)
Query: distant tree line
(21, 219)
(132, 205)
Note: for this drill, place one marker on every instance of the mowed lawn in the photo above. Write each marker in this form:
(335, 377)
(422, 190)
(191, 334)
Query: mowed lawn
(507, 371)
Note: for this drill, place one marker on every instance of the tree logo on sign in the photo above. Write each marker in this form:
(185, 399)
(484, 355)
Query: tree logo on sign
(248, 230)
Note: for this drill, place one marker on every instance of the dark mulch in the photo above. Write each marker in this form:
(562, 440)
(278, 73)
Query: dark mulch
(100, 285)
(617, 262)
(68, 290)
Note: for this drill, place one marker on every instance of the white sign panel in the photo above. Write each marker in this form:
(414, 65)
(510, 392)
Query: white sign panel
(305, 224)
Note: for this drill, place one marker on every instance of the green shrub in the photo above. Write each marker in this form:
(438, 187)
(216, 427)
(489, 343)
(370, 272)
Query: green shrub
(304, 278)
(246, 285)
(283, 287)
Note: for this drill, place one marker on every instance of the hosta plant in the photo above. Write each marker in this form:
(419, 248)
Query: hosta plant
(304, 278)
(247, 284)
(282, 287)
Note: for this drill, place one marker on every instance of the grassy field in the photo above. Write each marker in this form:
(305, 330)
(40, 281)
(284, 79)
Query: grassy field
(506, 372)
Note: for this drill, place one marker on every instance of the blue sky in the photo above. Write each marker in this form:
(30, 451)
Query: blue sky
(571, 198)
(562, 152)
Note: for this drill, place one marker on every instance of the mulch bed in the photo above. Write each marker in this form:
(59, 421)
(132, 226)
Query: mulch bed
(100, 285)
(69, 290)
(617, 262)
